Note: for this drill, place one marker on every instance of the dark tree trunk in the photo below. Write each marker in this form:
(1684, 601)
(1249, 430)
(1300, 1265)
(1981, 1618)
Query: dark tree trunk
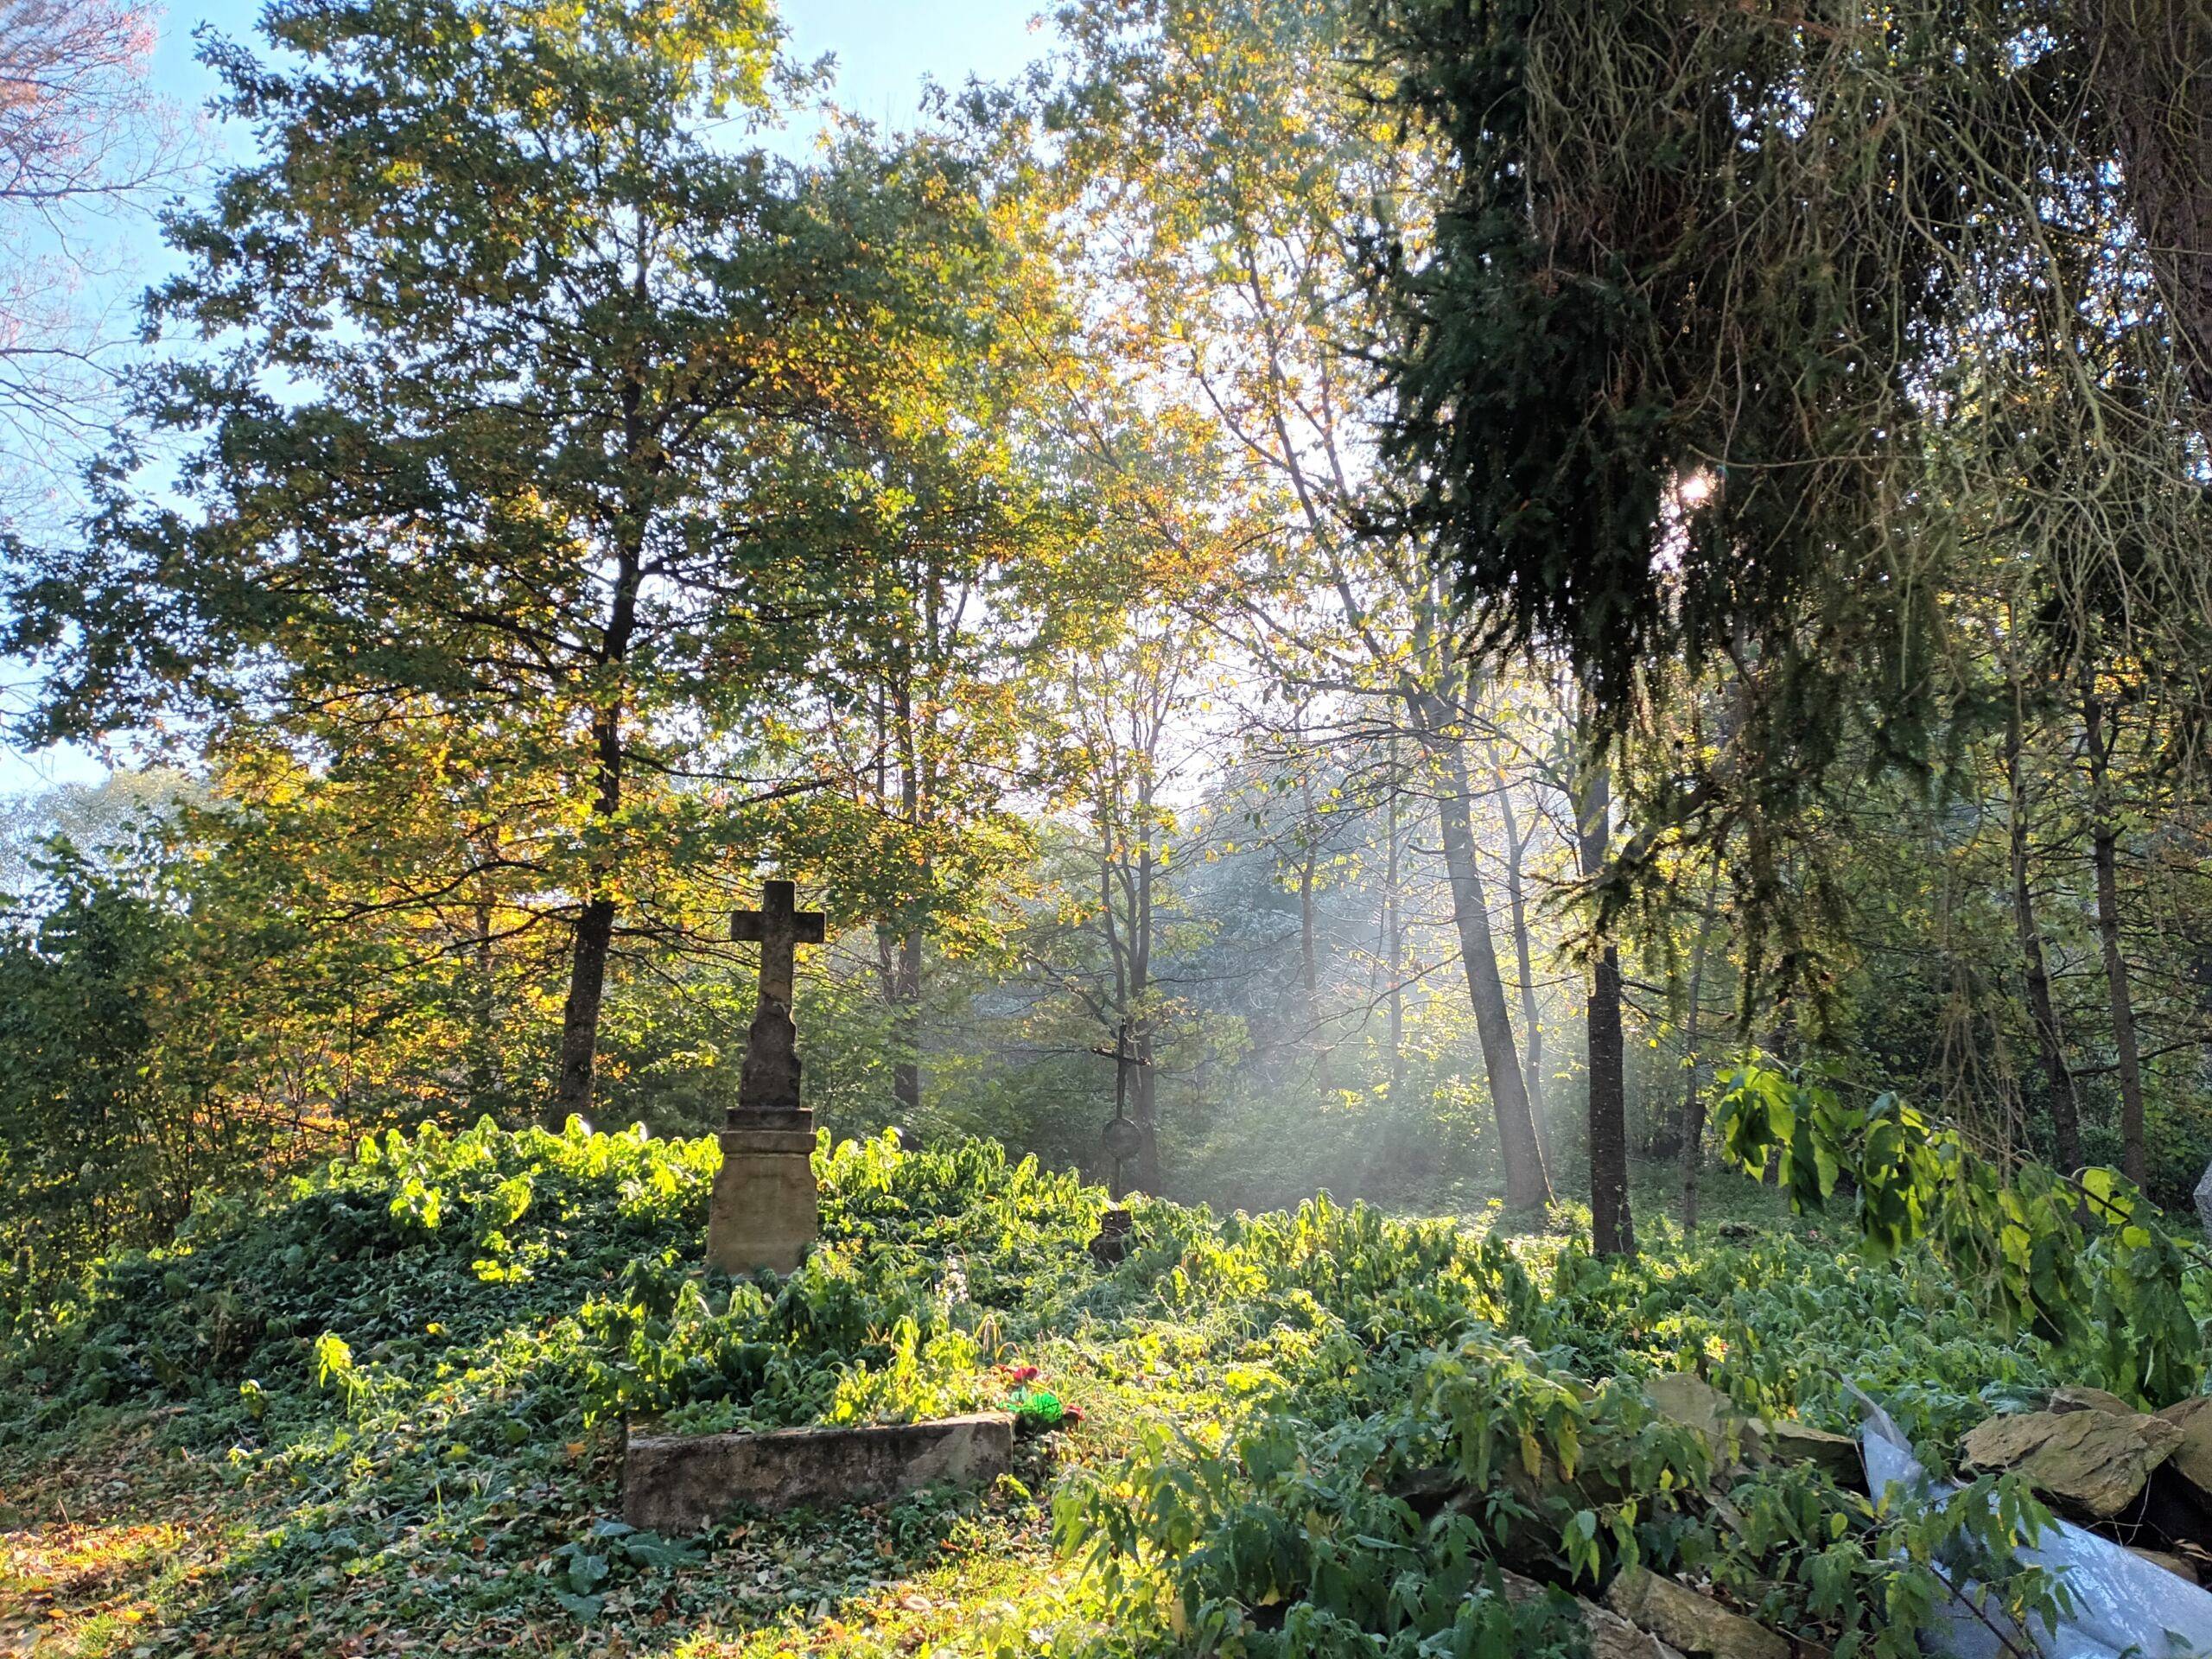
(898, 935)
(595, 936)
(2133, 1157)
(2151, 58)
(1527, 1187)
(2059, 1077)
(1309, 974)
(580, 1017)
(2104, 844)
(1145, 1105)
(906, 1074)
(898, 966)
(595, 923)
(1129, 937)
(1691, 1153)
(1393, 939)
(484, 1080)
(1612, 1230)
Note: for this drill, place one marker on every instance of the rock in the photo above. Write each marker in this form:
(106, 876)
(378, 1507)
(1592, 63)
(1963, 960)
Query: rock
(2192, 1458)
(1612, 1636)
(2204, 1201)
(1696, 1624)
(1681, 1397)
(2075, 1398)
(2173, 1563)
(1837, 1455)
(2092, 1464)
(1735, 1437)
(680, 1483)
(1687, 1398)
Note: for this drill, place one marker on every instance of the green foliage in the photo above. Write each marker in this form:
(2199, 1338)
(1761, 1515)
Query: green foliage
(1317, 1430)
(80, 1040)
(2086, 1264)
(138, 997)
(545, 455)
(1433, 1417)
(394, 1360)
(887, 1320)
(1592, 283)
(1807, 479)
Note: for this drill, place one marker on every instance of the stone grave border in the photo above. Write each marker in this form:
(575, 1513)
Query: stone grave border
(676, 1482)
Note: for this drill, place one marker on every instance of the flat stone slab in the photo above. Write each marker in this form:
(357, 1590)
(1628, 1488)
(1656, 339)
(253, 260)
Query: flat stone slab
(682, 1482)
(2088, 1462)
(1688, 1622)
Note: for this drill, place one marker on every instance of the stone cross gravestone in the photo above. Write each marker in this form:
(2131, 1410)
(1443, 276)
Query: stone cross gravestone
(763, 1214)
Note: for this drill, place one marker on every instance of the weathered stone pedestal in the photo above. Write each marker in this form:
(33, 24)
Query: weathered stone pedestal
(680, 1483)
(763, 1213)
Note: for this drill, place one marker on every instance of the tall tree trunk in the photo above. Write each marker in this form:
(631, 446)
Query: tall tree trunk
(1145, 1114)
(2104, 844)
(594, 934)
(898, 970)
(1691, 1153)
(905, 983)
(1532, 1030)
(596, 923)
(1310, 965)
(1527, 1187)
(2059, 1077)
(1394, 939)
(1144, 1102)
(484, 1061)
(2151, 57)
(1612, 1230)
(1309, 968)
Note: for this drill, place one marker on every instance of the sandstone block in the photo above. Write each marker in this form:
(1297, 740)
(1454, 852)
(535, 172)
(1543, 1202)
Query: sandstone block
(2074, 1397)
(681, 1482)
(2192, 1458)
(1681, 1397)
(1695, 1623)
(1612, 1636)
(2092, 1464)
(1835, 1454)
(764, 1213)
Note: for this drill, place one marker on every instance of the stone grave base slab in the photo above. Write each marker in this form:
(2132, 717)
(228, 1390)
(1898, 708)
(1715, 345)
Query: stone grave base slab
(682, 1482)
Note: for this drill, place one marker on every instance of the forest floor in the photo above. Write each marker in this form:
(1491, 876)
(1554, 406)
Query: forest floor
(380, 1414)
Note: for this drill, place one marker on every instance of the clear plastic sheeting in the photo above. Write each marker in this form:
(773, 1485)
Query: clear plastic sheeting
(2123, 1606)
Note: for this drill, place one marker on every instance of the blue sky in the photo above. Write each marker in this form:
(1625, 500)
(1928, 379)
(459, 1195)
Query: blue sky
(885, 50)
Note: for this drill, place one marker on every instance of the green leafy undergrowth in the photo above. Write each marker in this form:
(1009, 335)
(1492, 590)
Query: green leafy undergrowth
(1313, 1432)
(2083, 1260)
(402, 1373)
